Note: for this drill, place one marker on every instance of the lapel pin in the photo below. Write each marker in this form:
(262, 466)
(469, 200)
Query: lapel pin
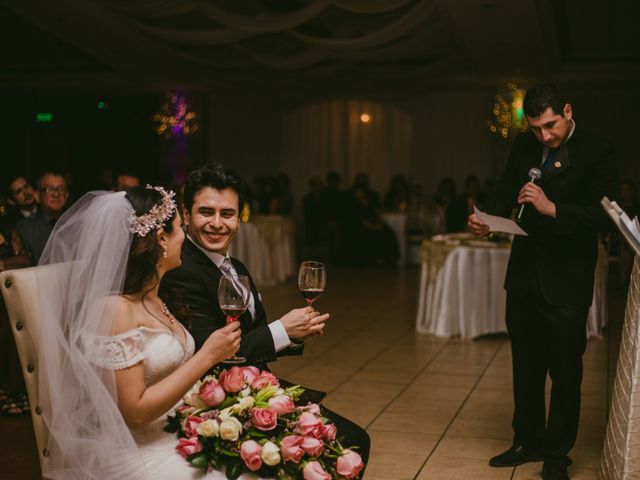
(557, 164)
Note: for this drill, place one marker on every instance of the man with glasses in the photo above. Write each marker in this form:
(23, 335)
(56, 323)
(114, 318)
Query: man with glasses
(35, 230)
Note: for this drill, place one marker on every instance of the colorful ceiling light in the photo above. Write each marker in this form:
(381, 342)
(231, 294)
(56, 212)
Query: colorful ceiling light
(174, 118)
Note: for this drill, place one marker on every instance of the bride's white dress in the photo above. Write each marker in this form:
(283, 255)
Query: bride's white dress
(161, 353)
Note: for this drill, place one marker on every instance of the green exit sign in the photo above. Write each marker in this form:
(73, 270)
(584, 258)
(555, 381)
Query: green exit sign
(44, 117)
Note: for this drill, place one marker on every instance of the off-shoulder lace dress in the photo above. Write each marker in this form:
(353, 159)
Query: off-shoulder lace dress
(162, 352)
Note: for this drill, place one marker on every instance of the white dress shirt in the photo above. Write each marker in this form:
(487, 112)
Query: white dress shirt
(278, 333)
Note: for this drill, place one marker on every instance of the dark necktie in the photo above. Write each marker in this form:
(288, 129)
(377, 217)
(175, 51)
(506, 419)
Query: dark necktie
(548, 164)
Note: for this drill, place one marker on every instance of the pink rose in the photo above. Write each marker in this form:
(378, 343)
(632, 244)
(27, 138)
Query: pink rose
(329, 432)
(232, 380)
(312, 446)
(250, 454)
(265, 379)
(309, 424)
(290, 448)
(314, 471)
(281, 404)
(264, 418)
(185, 410)
(311, 408)
(190, 425)
(349, 464)
(188, 446)
(211, 393)
(250, 373)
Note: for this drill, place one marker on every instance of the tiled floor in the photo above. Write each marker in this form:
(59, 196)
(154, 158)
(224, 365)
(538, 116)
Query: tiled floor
(435, 408)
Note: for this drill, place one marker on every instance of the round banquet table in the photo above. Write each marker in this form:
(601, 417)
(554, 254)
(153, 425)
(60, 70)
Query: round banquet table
(461, 288)
(266, 245)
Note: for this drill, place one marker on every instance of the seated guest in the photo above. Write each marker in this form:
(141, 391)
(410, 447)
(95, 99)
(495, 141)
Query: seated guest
(35, 230)
(212, 199)
(23, 200)
(285, 196)
(13, 400)
(445, 193)
(362, 182)
(462, 206)
(125, 181)
(332, 199)
(371, 241)
(313, 214)
(396, 199)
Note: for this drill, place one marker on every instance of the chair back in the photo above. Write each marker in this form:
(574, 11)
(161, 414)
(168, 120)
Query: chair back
(20, 292)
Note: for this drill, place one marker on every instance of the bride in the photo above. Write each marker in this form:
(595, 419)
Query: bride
(114, 360)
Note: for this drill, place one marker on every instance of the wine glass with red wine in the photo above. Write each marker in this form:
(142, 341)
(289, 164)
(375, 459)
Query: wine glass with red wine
(233, 296)
(312, 279)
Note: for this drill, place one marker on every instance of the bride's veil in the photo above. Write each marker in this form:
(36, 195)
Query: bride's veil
(87, 257)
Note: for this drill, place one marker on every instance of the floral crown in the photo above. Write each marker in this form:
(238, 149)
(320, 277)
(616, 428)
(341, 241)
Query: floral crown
(156, 217)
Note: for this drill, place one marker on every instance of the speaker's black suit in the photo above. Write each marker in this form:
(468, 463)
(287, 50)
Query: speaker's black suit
(196, 281)
(550, 280)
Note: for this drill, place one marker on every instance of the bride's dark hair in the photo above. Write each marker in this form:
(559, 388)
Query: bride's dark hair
(145, 251)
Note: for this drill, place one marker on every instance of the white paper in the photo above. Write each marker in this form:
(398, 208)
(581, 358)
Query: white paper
(499, 224)
(630, 229)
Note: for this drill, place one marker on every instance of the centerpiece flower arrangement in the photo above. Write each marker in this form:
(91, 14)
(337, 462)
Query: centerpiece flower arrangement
(241, 420)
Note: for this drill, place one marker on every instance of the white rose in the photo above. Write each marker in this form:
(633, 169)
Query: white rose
(270, 454)
(192, 398)
(208, 428)
(246, 403)
(280, 391)
(225, 413)
(230, 429)
(245, 392)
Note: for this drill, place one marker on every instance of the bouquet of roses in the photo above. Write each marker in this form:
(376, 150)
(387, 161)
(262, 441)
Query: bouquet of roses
(240, 420)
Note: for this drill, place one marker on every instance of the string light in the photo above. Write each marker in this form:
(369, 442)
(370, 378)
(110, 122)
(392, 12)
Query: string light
(508, 114)
(174, 117)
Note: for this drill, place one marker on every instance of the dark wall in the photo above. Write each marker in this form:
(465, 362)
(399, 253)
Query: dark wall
(83, 139)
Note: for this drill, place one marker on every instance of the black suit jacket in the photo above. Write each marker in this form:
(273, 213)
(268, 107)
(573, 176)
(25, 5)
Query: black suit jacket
(196, 281)
(561, 252)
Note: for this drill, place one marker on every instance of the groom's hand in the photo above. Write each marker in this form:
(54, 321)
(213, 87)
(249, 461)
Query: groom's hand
(301, 323)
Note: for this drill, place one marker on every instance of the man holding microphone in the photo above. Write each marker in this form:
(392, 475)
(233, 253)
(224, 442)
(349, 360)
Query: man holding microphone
(550, 275)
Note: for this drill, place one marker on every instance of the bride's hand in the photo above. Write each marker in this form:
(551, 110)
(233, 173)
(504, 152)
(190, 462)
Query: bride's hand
(223, 343)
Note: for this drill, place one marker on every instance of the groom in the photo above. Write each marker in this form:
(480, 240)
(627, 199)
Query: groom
(212, 206)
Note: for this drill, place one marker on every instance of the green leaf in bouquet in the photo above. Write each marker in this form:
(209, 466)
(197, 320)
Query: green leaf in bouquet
(295, 392)
(199, 460)
(266, 393)
(257, 434)
(228, 453)
(173, 424)
(230, 400)
(234, 469)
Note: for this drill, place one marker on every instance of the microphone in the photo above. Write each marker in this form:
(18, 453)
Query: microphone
(534, 174)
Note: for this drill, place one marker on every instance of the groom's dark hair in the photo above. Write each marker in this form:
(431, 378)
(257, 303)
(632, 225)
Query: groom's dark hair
(215, 176)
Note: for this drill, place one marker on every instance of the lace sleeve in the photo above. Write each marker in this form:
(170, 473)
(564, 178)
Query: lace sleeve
(118, 351)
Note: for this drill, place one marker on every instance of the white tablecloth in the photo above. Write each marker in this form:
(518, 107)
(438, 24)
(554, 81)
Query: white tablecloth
(398, 223)
(266, 245)
(467, 297)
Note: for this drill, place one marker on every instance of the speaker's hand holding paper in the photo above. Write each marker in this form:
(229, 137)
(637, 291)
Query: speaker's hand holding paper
(499, 224)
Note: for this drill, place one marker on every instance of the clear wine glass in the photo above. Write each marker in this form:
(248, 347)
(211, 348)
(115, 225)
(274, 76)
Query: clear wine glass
(312, 278)
(233, 296)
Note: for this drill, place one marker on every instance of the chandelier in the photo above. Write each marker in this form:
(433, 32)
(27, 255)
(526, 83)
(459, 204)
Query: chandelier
(508, 113)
